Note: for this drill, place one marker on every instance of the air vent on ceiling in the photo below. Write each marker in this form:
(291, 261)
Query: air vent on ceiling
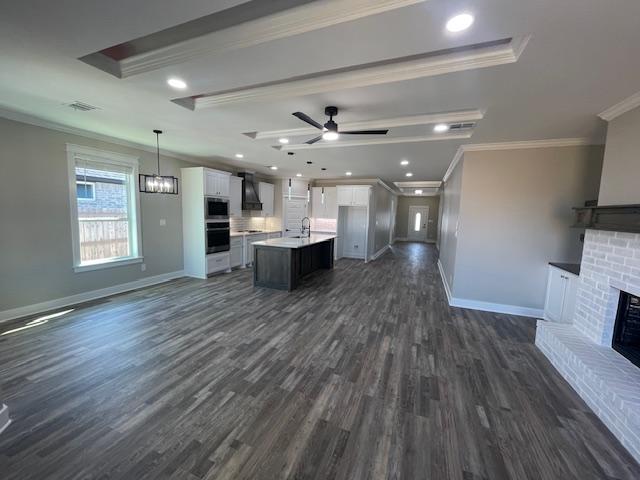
(80, 106)
(462, 126)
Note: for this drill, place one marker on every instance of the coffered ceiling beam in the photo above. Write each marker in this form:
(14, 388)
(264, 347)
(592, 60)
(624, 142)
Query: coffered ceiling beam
(427, 119)
(293, 21)
(377, 141)
(488, 54)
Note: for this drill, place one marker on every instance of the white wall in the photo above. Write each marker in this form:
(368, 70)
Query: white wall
(515, 214)
(620, 182)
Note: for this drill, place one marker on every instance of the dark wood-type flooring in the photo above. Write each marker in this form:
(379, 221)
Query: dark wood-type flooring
(362, 373)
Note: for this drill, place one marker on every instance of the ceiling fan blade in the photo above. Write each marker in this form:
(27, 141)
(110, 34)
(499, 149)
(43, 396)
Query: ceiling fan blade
(306, 118)
(314, 140)
(366, 132)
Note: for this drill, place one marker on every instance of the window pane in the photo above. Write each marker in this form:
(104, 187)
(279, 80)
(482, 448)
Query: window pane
(104, 220)
(416, 226)
(84, 191)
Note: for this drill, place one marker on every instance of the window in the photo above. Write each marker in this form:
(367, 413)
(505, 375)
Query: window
(85, 191)
(104, 208)
(416, 225)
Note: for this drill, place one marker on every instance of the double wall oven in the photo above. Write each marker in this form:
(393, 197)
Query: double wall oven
(217, 235)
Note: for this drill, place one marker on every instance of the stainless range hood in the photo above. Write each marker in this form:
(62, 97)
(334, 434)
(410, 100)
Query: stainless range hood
(250, 199)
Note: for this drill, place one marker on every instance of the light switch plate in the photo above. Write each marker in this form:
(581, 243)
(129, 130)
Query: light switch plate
(163, 222)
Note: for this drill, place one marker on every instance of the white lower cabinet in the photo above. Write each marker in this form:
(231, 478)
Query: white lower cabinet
(236, 251)
(218, 262)
(249, 239)
(562, 288)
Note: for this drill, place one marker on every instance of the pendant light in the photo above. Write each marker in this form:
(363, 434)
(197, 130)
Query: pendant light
(289, 189)
(158, 183)
(322, 201)
(308, 192)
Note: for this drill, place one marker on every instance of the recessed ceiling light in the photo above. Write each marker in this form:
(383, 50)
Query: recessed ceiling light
(408, 174)
(273, 167)
(404, 163)
(284, 140)
(298, 174)
(418, 192)
(441, 127)
(348, 174)
(460, 22)
(330, 135)
(239, 155)
(323, 169)
(177, 83)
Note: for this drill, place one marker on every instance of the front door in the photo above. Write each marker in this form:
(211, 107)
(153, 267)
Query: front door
(418, 221)
(295, 210)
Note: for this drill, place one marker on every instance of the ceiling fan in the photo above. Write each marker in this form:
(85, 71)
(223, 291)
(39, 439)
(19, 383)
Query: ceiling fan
(330, 129)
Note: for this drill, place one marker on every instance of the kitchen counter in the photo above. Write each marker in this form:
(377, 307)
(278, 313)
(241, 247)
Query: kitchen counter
(288, 242)
(573, 268)
(246, 234)
(282, 263)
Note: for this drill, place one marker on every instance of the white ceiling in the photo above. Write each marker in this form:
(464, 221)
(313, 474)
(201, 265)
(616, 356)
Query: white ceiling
(581, 59)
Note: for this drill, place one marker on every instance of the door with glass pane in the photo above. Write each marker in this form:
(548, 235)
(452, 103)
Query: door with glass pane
(418, 221)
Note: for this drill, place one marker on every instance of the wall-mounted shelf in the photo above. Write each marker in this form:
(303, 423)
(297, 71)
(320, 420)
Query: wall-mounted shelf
(617, 218)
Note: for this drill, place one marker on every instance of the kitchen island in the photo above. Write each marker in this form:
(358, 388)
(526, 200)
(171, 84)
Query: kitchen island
(282, 263)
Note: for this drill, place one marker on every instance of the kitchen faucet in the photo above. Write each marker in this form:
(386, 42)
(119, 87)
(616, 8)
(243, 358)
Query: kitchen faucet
(308, 228)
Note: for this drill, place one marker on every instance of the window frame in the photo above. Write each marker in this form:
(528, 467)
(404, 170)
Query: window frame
(93, 191)
(75, 152)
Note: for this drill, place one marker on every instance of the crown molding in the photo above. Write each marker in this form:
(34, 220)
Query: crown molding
(426, 119)
(376, 141)
(621, 108)
(521, 145)
(470, 57)
(293, 21)
(40, 122)
(419, 184)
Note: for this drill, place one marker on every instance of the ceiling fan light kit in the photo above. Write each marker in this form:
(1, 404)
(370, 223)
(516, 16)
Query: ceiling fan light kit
(330, 130)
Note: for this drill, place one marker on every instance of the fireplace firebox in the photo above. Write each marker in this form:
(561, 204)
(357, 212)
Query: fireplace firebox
(626, 332)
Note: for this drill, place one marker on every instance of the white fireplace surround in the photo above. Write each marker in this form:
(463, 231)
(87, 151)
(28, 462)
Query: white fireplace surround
(582, 353)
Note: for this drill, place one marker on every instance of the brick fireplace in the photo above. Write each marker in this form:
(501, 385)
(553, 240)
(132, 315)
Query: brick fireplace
(582, 352)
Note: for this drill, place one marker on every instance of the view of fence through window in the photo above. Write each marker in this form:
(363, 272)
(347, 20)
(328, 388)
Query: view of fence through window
(103, 216)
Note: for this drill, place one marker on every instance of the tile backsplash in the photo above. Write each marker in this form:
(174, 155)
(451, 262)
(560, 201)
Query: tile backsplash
(247, 222)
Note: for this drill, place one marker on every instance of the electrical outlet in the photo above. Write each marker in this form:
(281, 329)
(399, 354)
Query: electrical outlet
(163, 222)
(143, 267)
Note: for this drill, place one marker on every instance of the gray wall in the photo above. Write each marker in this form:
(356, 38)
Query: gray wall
(620, 182)
(450, 213)
(402, 220)
(36, 260)
(382, 213)
(515, 217)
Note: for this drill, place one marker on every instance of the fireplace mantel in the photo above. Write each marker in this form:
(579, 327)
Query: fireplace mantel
(614, 218)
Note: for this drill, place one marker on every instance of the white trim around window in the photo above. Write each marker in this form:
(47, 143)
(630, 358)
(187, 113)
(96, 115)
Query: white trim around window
(78, 152)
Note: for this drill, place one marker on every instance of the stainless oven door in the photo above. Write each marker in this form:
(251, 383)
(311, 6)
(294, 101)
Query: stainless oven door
(217, 237)
(216, 208)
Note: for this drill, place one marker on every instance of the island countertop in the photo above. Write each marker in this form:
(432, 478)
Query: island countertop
(292, 243)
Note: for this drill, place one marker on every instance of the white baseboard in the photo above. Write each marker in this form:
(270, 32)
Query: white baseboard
(444, 282)
(487, 306)
(379, 252)
(4, 417)
(7, 315)
(406, 239)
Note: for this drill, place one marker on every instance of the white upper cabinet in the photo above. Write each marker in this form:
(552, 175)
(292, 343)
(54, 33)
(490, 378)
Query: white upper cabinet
(266, 194)
(324, 206)
(353, 195)
(216, 184)
(235, 196)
